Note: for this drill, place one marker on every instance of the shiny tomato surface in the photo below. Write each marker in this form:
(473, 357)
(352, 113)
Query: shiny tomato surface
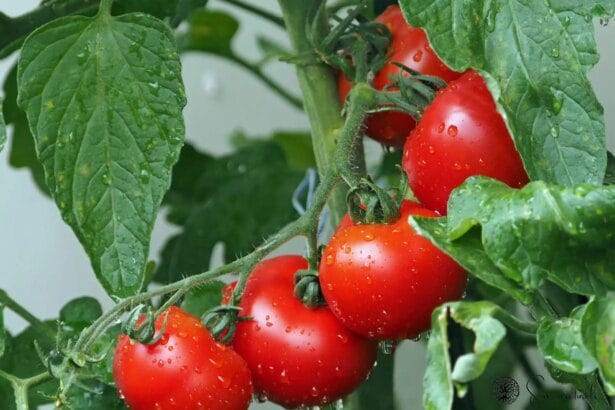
(383, 281)
(460, 135)
(185, 369)
(297, 356)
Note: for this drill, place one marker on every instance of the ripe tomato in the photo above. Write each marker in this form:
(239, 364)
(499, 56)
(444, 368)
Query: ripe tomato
(297, 356)
(461, 134)
(410, 47)
(383, 281)
(185, 369)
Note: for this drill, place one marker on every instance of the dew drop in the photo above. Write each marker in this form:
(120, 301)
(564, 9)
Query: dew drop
(452, 130)
(441, 127)
(106, 179)
(418, 56)
(329, 259)
(342, 338)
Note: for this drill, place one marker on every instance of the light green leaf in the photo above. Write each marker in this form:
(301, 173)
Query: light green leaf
(237, 200)
(561, 344)
(469, 253)
(538, 54)
(598, 331)
(202, 298)
(104, 97)
(565, 235)
(80, 313)
(438, 380)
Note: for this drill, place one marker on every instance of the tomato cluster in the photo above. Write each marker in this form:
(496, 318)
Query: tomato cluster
(380, 281)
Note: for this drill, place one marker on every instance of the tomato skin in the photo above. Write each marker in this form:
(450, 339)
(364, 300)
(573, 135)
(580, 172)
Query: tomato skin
(383, 281)
(461, 134)
(297, 356)
(185, 369)
(410, 47)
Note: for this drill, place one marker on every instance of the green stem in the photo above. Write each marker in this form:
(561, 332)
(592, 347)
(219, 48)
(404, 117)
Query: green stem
(105, 7)
(36, 323)
(277, 20)
(320, 98)
(21, 387)
(258, 72)
(13, 31)
(514, 322)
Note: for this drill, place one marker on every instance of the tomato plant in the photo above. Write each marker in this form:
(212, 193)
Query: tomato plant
(410, 47)
(460, 135)
(185, 368)
(507, 162)
(297, 356)
(383, 281)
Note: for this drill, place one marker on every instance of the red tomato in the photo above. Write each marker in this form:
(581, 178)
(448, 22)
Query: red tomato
(383, 281)
(410, 47)
(185, 369)
(297, 356)
(461, 134)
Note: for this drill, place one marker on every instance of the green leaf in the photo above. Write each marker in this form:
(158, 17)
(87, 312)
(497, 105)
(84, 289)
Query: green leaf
(469, 253)
(438, 379)
(561, 344)
(297, 146)
(609, 177)
(202, 298)
(209, 31)
(236, 200)
(104, 98)
(102, 397)
(537, 55)
(2, 129)
(565, 235)
(598, 331)
(3, 334)
(80, 313)
(175, 10)
(22, 153)
(376, 393)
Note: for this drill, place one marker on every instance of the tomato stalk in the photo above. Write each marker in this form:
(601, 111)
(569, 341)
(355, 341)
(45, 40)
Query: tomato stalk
(38, 325)
(320, 98)
(21, 387)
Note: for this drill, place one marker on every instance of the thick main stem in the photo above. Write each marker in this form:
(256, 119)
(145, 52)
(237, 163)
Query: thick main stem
(320, 98)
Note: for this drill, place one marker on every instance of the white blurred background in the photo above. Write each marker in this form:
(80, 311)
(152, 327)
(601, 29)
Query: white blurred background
(43, 265)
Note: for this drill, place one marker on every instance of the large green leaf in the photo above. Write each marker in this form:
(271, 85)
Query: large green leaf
(538, 54)
(80, 313)
(561, 344)
(104, 97)
(565, 235)
(237, 200)
(439, 379)
(209, 31)
(202, 298)
(22, 153)
(598, 331)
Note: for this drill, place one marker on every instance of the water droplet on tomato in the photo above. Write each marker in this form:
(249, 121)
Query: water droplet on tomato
(342, 338)
(329, 259)
(431, 149)
(418, 56)
(456, 165)
(225, 381)
(441, 127)
(452, 130)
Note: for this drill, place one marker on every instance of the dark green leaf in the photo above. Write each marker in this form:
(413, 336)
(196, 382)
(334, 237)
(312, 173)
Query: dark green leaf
(598, 331)
(438, 379)
(297, 146)
(376, 393)
(562, 346)
(104, 98)
(3, 334)
(80, 313)
(566, 235)
(102, 397)
(468, 252)
(238, 200)
(538, 54)
(202, 298)
(2, 129)
(209, 31)
(175, 10)
(609, 178)
(22, 153)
